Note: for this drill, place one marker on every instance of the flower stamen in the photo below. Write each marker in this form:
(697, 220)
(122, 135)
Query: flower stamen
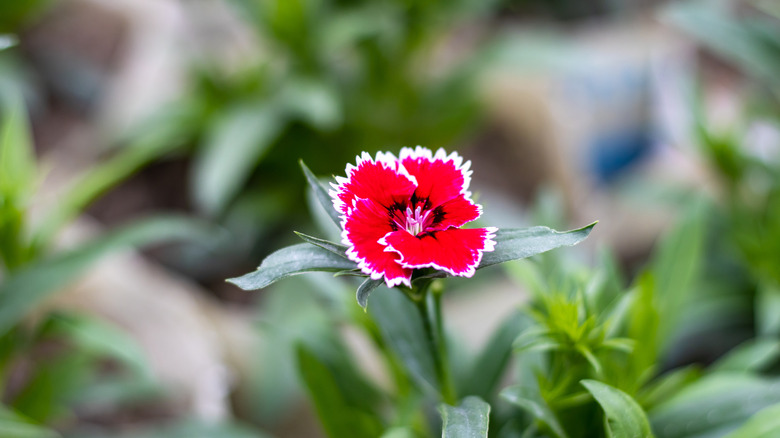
(415, 221)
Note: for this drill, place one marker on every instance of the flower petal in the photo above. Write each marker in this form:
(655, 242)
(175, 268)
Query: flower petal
(456, 212)
(455, 250)
(363, 227)
(383, 180)
(440, 177)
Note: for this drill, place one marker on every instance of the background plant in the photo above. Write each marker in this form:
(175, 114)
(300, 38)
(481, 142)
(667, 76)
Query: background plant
(52, 363)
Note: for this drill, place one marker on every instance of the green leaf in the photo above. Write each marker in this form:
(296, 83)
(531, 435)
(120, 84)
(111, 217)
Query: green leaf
(17, 179)
(625, 418)
(365, 289)
(101, 339)
(13, 425)
(750, 356)
(488, 368)
(335, 248)
(291, 313)
(338, 417)
(47, 395)
(399, 323)
(155, 139)
(292, 260)
(350, 273)
(399, 432)
(643, 326)
(321, 194)
(531, 401)
(714, 405)
(666, 386)
(767, 309)
(313, 101)
(765, 424)
(329, 348)
(20, 292)
(111, 391)
(468, 420)
(519, 243)
(17, 156)
(676, 264)
(237, 141)
(321, 217)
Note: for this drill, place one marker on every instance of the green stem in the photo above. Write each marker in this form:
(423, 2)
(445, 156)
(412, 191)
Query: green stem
(429, 306)
(448, 388)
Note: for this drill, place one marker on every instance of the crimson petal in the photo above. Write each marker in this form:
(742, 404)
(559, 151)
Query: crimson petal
(455, 213)
(440, 177)
(455, 250)
(366, 224)
(383, 180)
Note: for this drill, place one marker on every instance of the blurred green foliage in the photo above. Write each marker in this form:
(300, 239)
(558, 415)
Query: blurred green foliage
(747, 167)
(15, 15)
(587, 356)
(55, 362)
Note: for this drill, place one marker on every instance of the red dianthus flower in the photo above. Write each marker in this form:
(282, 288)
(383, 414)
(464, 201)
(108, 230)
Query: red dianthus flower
(401, 214)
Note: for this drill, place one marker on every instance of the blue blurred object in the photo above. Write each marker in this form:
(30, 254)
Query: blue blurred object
(610, 153)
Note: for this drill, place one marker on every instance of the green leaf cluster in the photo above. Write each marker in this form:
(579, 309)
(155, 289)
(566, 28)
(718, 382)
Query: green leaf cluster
(599, 360)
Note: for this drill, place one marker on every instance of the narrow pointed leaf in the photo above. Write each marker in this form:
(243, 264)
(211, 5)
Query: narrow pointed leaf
(467, 420)
(399, 432)
(17, 156)
(101, 339)
(749, 357)
(529, 399)
(322, 195)
(350, 273)
(292, 260)
(339, 417)
(238, 140)
(365, 289)
(488, 368)
(675, 268)
(399, 322)
(714, 405)
(21, 291)
(163, 134)
(321, 217)
(13, 425)
(335, 248)
(519, 243)
(765, 424)
(667, 386)
(625, 418)
(768, 309)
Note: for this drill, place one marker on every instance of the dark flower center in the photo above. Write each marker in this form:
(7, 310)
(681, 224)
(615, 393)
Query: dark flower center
(415, 221)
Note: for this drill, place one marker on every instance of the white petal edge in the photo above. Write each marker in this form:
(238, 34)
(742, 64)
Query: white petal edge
(386, 159)
(488, 246)
(441, 155)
